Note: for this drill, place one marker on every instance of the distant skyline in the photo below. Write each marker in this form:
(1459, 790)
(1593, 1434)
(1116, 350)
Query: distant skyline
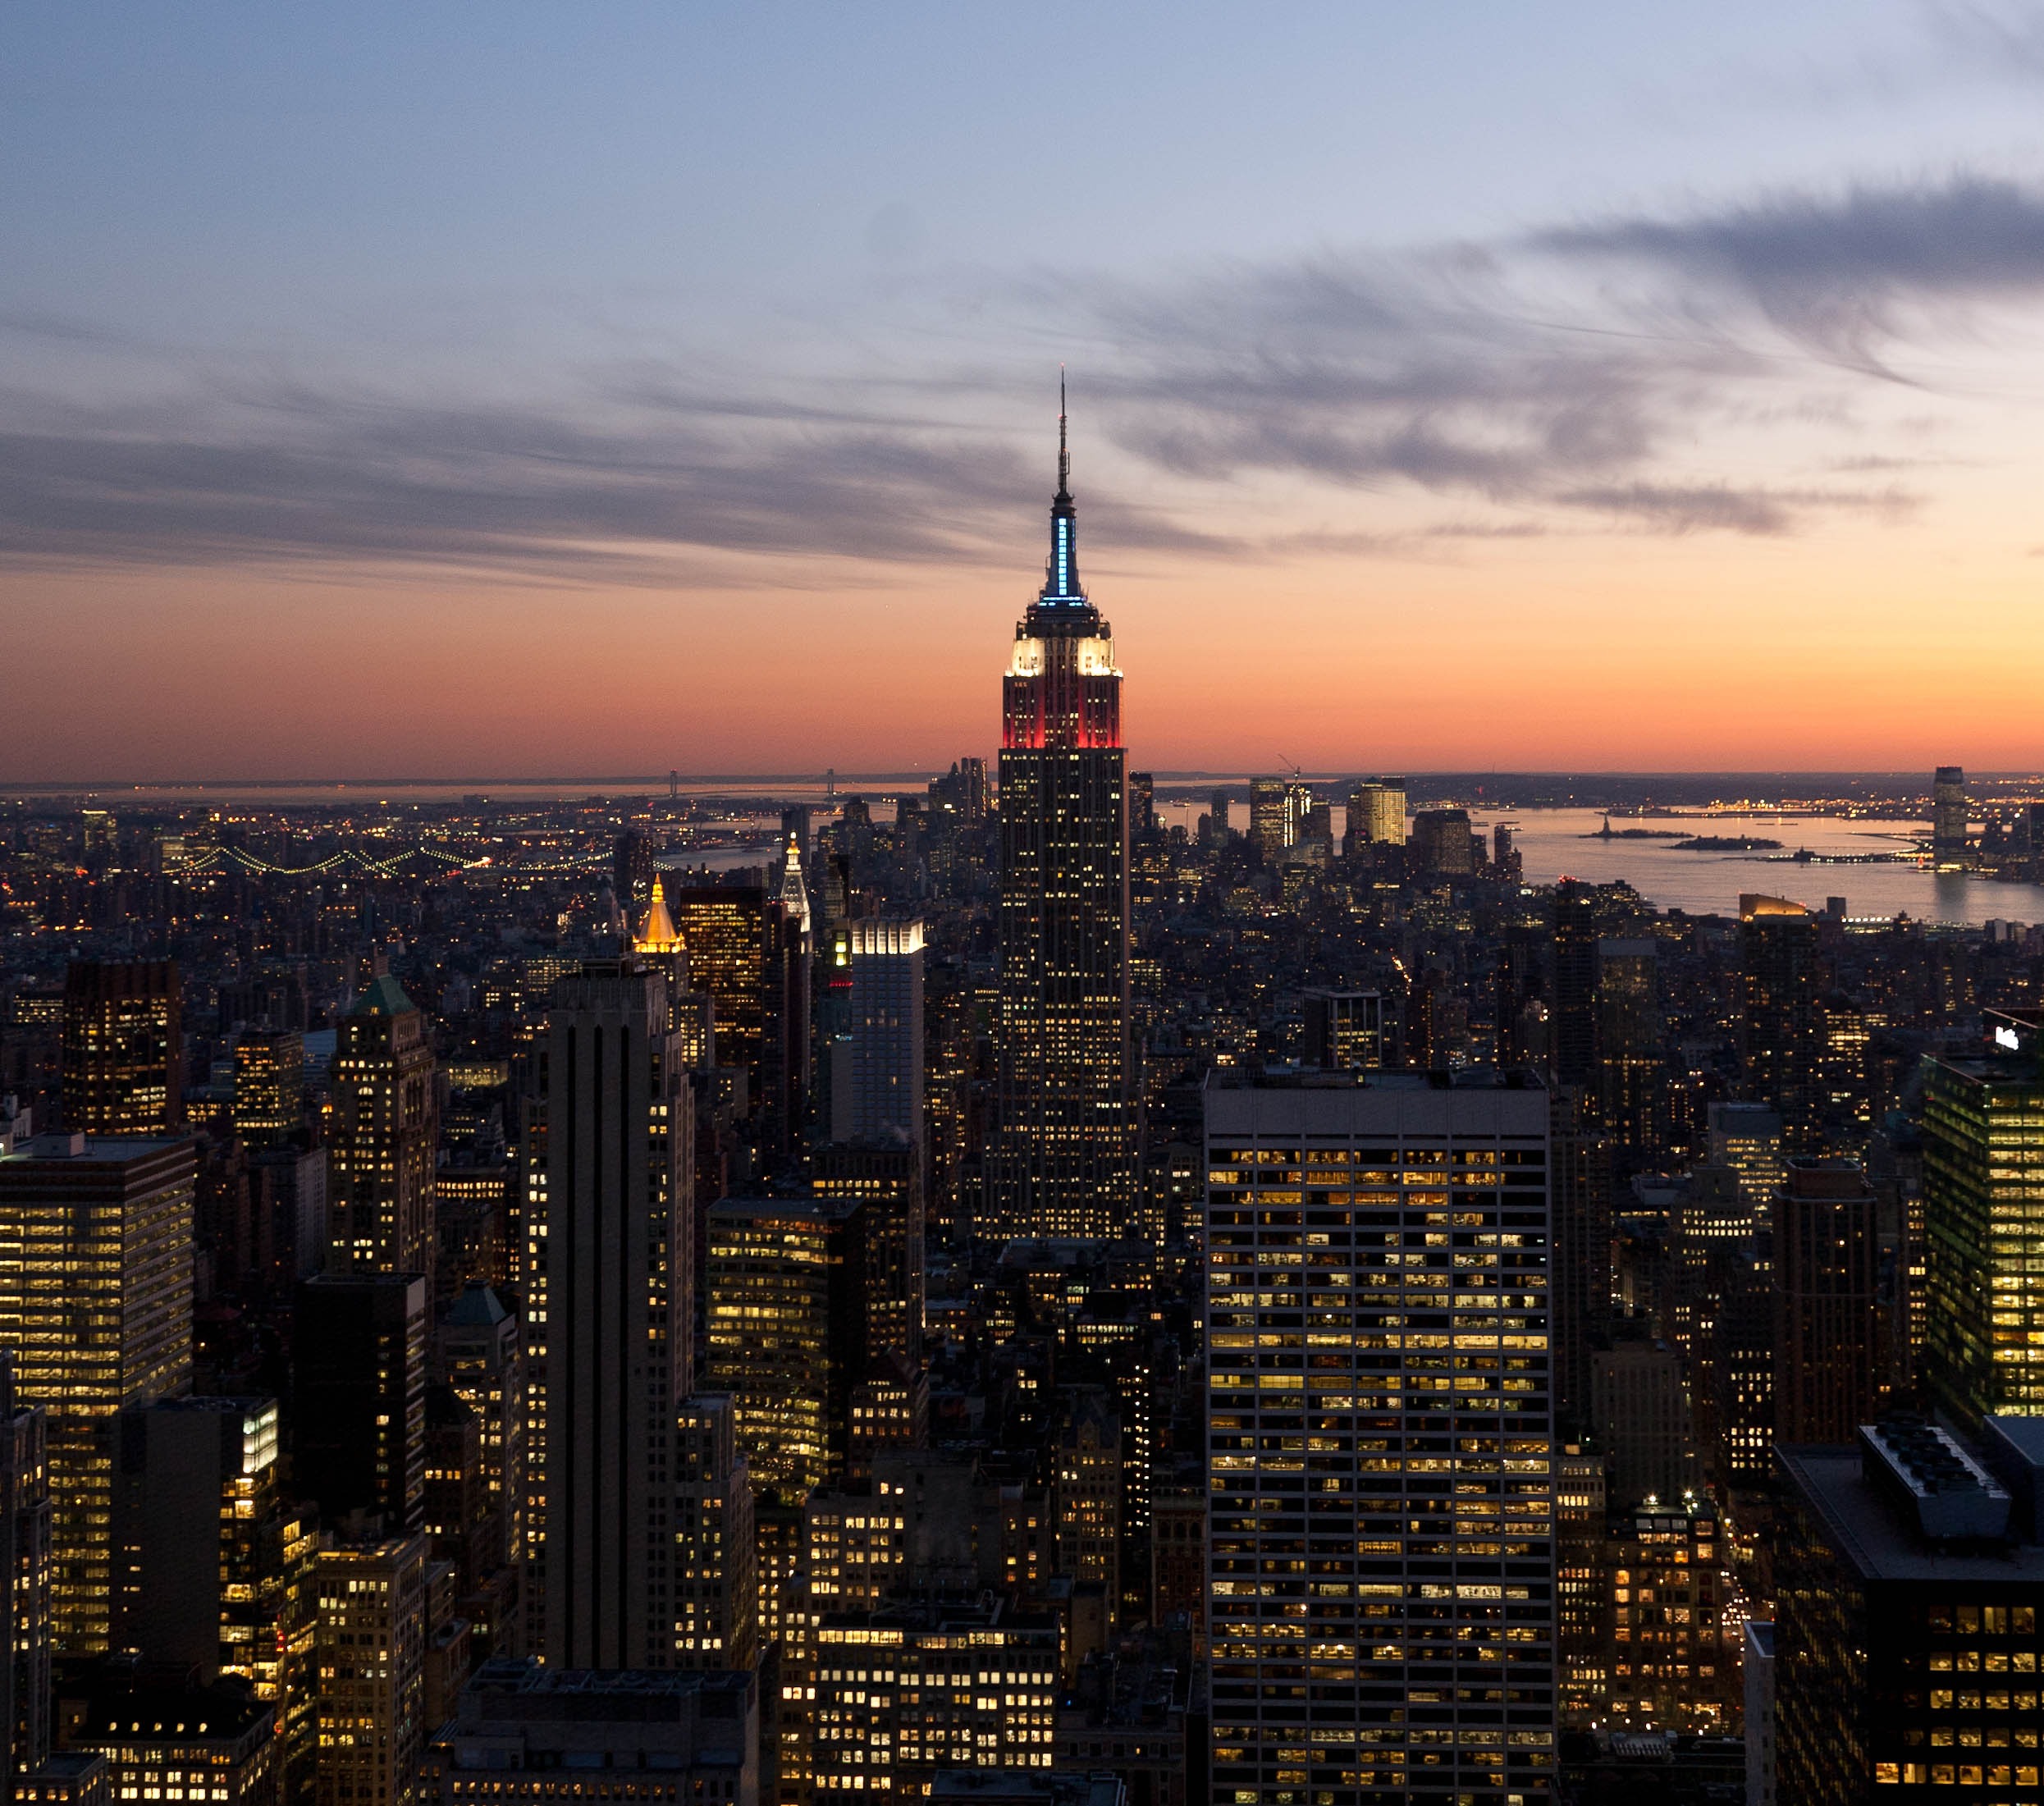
(418, 390)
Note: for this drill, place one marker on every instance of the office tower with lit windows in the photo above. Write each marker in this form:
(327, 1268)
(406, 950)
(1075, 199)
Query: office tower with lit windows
(371, 1644)
(1747, 1137)
(1826, 1254)
(1582, 1604)
(1062, 1160)
(1377, 813)
(876, 1085)
(123, 1049)
(25, 1582)
(1086, 1493)
(158, 1735)
(212, 1564)
(1349, 1030)
(905, 1691)
(1442, 843)
(716, 1602)
(724, 928)
(1271, 823)
(1908, 1631)
(98, 1234)
(481, 1357)
(1780, 980)
(1382, 1610)
(787, 1324)
(269, 1075)
(359, 1404)
(386, 1137)
(1983, 1204)
(609, 1314)
(1951, 818)
(1709, 1238)
(748, 953)
(888, 1179)
(1142, 802)
(1742, 1375)
(1674, 1625)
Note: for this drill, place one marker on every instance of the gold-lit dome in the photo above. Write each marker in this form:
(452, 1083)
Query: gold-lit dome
(656, 932)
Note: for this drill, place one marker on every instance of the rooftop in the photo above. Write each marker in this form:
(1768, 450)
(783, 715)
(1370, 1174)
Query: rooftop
(1878, 1542)
(385, 997)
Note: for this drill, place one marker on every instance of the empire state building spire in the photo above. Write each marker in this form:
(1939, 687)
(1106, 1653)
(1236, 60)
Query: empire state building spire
(1061, 587)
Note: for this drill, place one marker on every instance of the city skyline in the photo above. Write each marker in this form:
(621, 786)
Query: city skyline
(1674, 375)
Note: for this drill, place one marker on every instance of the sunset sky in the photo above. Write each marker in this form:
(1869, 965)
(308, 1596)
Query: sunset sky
(497, 389)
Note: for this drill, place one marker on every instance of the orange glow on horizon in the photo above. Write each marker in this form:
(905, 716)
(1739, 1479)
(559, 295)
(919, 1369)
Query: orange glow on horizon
(1859, 648)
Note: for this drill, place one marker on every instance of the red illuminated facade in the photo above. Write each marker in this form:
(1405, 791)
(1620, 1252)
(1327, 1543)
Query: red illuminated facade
(1064, 1159)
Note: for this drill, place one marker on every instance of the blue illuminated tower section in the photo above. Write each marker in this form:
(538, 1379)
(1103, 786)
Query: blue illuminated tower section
(1063, 1161)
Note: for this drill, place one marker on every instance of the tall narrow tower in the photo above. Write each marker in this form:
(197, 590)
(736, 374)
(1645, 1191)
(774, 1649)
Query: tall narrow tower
(1063, 1162)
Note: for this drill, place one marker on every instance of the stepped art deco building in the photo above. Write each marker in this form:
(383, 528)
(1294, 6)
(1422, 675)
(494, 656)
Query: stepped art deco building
(1063, 1160)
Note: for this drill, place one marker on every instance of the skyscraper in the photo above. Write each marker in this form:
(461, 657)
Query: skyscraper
(747, 950)
(878, 1094)
(1349, 1029)
(787, 1330)
(371, 1642)
(212, 1564)
(1442, 843)
(1909, 1604)
(25, 1582)
(387, 1136)
(609, 1314)
(1827, 1307)
(1747, 1137)
(1271, 822)
(1949, 814)
(1377, 813)
(269, 1074)
(1631, 1072)
(1381, 1613)
(1983, 1202)
(1781, 981)
(1063, 1160)
(359, 1403)
(716, 1604)
(94, 1237)
(888, 1178)
(1572, 1039)
(123, 1052)
(483, 1360)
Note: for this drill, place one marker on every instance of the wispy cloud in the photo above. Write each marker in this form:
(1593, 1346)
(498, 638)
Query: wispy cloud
(1833, 274)
(1577, 377)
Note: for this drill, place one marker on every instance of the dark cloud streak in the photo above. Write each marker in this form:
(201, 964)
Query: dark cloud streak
(1569, 371)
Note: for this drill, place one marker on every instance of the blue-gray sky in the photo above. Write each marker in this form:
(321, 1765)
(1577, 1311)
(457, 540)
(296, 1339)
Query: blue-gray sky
(312, 319)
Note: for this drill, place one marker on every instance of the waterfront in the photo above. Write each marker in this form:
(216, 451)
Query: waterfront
(1561, 842)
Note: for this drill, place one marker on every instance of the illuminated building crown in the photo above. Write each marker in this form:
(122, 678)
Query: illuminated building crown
(1062, 591)
(657, 930)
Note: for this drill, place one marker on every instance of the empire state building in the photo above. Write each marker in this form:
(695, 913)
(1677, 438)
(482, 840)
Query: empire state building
(1064, 1157)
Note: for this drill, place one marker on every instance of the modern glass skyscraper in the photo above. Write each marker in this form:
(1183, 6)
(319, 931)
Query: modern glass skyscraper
(1064, 1159)
(1983, 1197)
